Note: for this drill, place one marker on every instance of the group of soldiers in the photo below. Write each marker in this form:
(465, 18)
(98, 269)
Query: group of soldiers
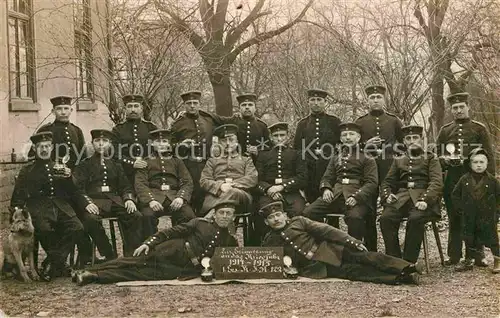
(206, 164)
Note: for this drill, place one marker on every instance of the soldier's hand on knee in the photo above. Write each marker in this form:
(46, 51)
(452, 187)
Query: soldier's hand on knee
(176, 204)
(327, 196)
(351, 201)
(140, 164)
(92, 208)
(421, 205)
(391, 198)
(361, 247)
(130, 206)
(155, 206)
(226, 187)
(144, 248)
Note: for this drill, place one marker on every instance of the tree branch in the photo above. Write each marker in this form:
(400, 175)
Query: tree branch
(235, 33)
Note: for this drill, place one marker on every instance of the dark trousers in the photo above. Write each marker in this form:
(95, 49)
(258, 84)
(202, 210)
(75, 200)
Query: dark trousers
(368, 267)
(315, 171)
(58, 233)
(195, 169)
(130, 224)
(150, 217)
(354, 216)
(415, 227)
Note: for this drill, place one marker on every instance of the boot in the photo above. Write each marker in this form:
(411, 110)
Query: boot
(409, 279)
(481, 262)
(496, 265)
(413, 268)
(466, 265)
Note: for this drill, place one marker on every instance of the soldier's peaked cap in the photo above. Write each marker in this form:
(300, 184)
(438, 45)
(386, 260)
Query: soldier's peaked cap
(43, 136)
(226, 130)
(161, 134)
(458, 98)
(231, 204)
(278, 126)
(102, 133)
(61, 100)
(314, 92)
(133, 98)
(191, 95)
(246, 98)
(375, 89)
(271, 208)
(412, 130)
(350, 126)
(477, 151)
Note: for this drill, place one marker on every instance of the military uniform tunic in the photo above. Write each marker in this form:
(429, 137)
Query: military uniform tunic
(174, 253)
(316, 138)
(319, 250)
(350, 173)
(67, 139)
(164, 179)
(47, 199)
(132, 142)
(252, 132)
(228, 168)
(465, 134)
(411, 178)
(103, 182)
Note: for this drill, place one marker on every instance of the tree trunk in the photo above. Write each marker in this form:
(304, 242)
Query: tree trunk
(437, 90)
(221, 85)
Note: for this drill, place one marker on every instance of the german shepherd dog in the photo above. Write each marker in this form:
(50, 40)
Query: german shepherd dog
(19, 246)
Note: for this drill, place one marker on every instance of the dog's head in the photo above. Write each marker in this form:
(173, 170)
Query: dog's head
(20, 222)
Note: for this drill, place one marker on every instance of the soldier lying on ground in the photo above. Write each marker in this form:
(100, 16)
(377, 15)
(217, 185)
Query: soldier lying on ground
(169, 254)
(319, 250)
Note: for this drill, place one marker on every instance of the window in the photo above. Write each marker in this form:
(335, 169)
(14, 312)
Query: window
(21, 50)
(83, 47)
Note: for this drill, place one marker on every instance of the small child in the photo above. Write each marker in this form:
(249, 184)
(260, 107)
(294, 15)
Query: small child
(477, 194)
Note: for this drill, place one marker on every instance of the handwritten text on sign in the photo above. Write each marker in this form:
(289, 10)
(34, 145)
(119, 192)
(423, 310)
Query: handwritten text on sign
(248, 262)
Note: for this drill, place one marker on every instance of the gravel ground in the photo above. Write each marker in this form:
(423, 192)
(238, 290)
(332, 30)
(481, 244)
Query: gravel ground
(442, 293)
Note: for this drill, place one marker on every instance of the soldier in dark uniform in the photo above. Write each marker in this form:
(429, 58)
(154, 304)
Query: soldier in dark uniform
(316, 137)
(67, 137)
(106, 192)
(169, 254)
(131, 146)
(229, 176)
(282, 174)
(349, 184)
(319, 250)
(165, 186)
(412, 188)
(253, 134)
(380, 135)
(193, 132)
(44, 188)
(462, 135)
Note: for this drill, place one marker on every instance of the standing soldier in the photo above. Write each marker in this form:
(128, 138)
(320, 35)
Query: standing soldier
(455, 140)
(412, 189)
(67, 137)
(106, 192)
(193, 132)
(132, 136)
(253, 134)
(380, 135)
(349, 184)
(282, 174)
(44, 188)
(165, 186)
(316, 137)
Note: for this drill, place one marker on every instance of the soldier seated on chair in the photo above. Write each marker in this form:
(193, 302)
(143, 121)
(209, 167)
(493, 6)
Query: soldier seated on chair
(319, 250)
(348, 185)
(106, 192)
(165, 186)
(229, 175)
(169, 254)
(282, 174)
(412, 188)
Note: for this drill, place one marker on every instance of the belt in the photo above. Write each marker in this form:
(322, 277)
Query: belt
(348, 181)
(191, 255)
(414, 185)
(159, 186)
(311, 252)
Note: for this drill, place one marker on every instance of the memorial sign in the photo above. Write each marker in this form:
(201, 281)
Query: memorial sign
(247, 262)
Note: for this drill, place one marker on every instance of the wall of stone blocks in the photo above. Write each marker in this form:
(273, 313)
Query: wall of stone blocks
(8, 172)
